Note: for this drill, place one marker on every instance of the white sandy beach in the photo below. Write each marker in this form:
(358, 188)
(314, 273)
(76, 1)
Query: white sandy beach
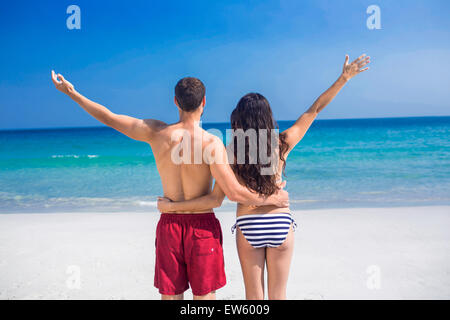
(369, 253)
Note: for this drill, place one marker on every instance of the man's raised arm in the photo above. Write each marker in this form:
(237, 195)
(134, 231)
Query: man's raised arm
(137, 129)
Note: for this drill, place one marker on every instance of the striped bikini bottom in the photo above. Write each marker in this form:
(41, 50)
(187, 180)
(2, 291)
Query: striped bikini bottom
(265, 230)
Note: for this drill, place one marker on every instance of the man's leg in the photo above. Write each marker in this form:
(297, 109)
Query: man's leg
(172, 297)
(208, 296)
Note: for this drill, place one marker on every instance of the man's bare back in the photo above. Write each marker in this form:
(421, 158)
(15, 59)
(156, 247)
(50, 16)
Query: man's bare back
(183, 181)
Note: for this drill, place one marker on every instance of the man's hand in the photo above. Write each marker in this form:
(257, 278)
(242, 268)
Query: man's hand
(281, 198)
(352, 69)
(62, 84)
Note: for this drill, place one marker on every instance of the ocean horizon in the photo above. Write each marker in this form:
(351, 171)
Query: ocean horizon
(340, 163)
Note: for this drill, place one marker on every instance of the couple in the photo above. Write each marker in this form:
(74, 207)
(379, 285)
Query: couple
(188, 235)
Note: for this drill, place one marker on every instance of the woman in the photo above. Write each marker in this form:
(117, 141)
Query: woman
(265, 234)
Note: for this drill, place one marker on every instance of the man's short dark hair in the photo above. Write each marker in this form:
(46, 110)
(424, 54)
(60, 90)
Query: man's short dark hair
(189, 93)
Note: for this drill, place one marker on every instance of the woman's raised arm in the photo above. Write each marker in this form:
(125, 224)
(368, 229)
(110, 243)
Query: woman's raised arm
(296, 133)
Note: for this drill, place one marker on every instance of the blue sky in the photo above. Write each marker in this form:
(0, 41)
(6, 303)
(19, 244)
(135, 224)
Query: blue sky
(129, 55)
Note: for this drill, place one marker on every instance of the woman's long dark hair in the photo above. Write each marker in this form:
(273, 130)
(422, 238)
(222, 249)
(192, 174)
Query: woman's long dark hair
(253, 112)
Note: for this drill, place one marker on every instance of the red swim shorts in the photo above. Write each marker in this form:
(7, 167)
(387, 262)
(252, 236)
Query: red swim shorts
(189, 251)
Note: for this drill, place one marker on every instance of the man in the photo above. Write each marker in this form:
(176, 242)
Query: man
(188, 246)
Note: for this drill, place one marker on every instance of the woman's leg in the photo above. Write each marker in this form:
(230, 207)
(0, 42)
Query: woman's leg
(252, 264)
(278, 265)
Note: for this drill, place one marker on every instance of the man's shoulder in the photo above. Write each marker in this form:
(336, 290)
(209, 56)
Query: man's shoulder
(209, 138)
(156, 124)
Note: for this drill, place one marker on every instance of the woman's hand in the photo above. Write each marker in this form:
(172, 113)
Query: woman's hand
(62, 84)
(164, 204)
(352, 69)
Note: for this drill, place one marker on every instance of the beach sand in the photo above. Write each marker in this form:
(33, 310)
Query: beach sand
(367, 253)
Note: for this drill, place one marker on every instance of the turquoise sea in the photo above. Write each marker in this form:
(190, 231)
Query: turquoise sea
(340, 163)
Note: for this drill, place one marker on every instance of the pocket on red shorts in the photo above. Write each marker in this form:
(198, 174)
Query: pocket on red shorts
(206, 267)
(205, 243)
(203, 234)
